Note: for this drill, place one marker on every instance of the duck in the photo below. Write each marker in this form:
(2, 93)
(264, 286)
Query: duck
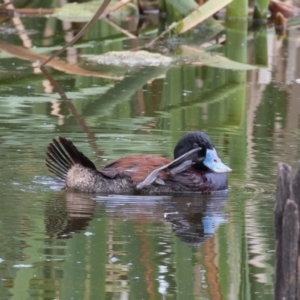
(196, 168)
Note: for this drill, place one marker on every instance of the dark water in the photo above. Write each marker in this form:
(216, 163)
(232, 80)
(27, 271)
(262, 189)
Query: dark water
(56, 244)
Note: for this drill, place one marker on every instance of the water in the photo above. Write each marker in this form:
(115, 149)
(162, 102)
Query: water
(56, 244)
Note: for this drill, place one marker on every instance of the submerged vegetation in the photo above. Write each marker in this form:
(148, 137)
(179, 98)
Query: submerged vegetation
(189, 16)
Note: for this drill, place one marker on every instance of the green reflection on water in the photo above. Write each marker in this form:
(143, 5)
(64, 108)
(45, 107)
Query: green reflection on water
(135, 250)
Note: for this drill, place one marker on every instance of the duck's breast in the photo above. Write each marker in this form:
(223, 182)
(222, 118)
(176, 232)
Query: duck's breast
(195, 180)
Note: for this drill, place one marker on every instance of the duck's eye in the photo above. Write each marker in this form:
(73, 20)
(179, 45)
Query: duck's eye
(195, 145)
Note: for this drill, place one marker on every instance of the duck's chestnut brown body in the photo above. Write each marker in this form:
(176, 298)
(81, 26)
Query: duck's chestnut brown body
(129, 175)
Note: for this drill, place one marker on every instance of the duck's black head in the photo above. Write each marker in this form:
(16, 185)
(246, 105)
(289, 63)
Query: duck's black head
(206, 158)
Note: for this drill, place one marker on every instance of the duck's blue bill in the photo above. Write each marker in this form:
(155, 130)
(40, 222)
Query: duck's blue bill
(214, 163)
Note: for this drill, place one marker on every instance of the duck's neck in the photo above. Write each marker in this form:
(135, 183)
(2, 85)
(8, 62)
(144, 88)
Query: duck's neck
(201, 167)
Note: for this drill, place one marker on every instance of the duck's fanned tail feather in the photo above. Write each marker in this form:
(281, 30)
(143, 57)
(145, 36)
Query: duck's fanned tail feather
(62, 155)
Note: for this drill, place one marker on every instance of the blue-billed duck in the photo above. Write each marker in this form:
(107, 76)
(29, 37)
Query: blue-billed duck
(196, 168)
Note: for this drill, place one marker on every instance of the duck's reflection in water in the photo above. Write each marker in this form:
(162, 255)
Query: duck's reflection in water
(196, 219)
(193, 218)
(68, 214)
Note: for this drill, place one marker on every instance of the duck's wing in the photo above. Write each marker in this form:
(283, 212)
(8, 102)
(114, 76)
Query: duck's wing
(136, 167)
(62, 155)
(176, 166)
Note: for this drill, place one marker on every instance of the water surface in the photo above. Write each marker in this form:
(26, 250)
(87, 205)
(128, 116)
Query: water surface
(56, 244)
